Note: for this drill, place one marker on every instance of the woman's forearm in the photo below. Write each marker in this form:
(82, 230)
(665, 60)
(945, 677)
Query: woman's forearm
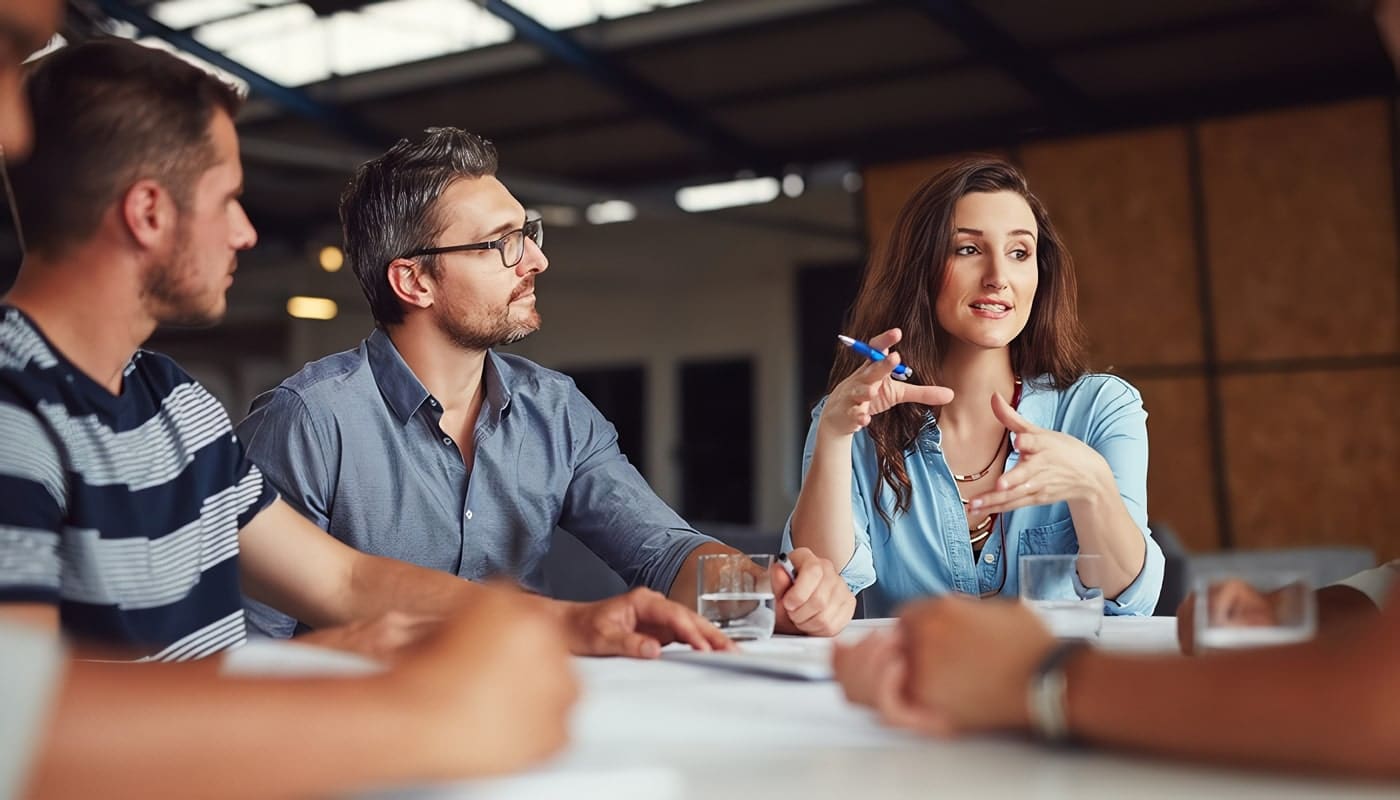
(823, 519)
(1105, 528)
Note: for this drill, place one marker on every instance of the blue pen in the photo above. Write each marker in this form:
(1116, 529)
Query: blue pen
(901, 372)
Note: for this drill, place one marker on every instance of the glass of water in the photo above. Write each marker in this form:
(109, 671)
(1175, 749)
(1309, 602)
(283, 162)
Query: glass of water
(1065, 592)
(1261, 607)
(736, 594)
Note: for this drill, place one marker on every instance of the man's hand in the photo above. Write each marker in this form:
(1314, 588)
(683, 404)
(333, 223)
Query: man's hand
(818, 602)
(970, 661)
(382, 638)
(491, 690)
(874, 672)
(637, 624)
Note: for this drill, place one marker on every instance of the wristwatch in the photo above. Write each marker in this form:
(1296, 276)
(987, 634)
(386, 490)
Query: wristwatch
(1045, 695)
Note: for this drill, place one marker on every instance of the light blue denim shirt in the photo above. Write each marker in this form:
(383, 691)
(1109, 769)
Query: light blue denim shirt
(926, 551)
(352, 442)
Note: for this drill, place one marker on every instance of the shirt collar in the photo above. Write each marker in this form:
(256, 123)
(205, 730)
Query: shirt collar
(406, 394)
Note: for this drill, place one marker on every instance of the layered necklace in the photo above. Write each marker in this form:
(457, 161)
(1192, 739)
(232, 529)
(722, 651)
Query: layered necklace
(983, 529)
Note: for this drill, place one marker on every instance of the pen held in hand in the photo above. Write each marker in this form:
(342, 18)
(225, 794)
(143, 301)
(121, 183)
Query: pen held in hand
(901, 372)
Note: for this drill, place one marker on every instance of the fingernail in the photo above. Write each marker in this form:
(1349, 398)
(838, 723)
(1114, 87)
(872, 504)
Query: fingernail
(976, 503)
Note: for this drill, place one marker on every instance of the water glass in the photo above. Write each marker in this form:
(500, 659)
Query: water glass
(1260, 607)
(1065, 592)
(736, 594)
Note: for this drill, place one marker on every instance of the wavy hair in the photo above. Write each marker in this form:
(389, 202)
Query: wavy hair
(900, 286)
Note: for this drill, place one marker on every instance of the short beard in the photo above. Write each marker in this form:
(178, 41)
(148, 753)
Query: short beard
(497, 333)
(163, 288)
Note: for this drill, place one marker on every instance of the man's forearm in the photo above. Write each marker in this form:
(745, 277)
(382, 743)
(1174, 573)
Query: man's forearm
(1327, 705)
(379, 585)
(177, 730)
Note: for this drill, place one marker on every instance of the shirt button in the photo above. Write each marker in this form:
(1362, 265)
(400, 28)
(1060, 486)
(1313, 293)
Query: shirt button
(990, 558)
(469, 513)
(447, 440)
(432, 402)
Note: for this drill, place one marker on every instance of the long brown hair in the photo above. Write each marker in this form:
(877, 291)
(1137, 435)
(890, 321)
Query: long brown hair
(900, 287)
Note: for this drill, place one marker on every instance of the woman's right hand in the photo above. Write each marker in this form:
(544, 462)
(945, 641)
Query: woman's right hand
(871, 390)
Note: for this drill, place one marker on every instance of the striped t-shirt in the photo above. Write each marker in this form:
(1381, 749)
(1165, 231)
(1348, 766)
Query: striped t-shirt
(124, 511)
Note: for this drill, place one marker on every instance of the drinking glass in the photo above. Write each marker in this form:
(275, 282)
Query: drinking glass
(736, 594)
(1065, 592)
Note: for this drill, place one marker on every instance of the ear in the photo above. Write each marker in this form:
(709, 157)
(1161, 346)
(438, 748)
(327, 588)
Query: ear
(411, 283)
(148, 213)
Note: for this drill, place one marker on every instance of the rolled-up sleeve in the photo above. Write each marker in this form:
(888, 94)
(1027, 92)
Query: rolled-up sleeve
(33, 503)
(859, 571)
(609, 507)
(1119, 434)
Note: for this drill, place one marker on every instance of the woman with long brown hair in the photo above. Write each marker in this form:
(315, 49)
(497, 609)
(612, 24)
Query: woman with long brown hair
(1001, 444)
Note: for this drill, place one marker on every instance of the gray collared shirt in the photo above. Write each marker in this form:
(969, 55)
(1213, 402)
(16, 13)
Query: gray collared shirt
(352, 441)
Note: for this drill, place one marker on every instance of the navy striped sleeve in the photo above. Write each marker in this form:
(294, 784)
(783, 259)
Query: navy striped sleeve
(31, 506)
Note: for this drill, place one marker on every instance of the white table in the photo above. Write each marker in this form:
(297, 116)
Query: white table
(671, 731)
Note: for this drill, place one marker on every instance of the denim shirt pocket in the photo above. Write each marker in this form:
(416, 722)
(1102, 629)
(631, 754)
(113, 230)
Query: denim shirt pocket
(1057, 538)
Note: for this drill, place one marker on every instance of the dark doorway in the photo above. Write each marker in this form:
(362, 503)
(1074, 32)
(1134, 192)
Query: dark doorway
(716, 451)
(825, 295)
(620, 394)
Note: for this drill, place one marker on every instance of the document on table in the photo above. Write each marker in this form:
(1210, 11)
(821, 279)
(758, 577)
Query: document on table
(802, 659)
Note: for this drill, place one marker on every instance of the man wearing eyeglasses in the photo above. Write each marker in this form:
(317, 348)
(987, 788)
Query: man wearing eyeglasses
(426, 445)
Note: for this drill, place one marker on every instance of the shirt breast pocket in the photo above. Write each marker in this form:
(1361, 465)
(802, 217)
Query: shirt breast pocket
(1057, 538)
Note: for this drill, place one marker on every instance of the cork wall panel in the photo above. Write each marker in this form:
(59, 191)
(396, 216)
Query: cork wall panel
(1312, 458)
(887, 186)
(1180, 489)
(1300, 220)
(1122, 204)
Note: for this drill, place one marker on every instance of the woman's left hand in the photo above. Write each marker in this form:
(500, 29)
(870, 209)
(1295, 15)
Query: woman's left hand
(1053, 467)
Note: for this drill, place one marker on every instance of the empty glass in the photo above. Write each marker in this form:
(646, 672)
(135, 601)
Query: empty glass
(1065, 592)
(1259, 607)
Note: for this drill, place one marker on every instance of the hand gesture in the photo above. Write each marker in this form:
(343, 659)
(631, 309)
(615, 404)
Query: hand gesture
(818, 602)
(871, 390)
(637, 624)
(490, 691)
(1054, 466)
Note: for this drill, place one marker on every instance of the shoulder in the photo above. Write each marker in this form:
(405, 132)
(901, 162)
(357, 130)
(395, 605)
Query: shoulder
(1085, 407)
(1101, 389)
(525, 379)
(328, 375)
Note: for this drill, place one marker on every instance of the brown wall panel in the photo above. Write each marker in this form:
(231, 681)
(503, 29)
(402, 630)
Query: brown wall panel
(1312, 458)
(887, 186)
(1122, 203)
(1300, 220)
(1180, 491)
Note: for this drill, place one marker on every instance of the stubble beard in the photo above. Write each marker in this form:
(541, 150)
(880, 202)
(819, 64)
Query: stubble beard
(166, 290)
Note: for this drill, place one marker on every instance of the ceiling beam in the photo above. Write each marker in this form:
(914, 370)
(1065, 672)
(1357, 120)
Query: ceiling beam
(294, 100)
(1033, 72)
(642, 94)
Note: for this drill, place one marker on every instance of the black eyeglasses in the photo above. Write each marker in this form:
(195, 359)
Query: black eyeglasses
(511, 246)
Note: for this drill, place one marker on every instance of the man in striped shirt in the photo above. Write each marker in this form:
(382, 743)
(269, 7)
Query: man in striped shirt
(181, 730)
(129, 514)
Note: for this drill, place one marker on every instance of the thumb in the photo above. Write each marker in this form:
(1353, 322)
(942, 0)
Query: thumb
(1007, 415)
(782, 581)
(925, 395)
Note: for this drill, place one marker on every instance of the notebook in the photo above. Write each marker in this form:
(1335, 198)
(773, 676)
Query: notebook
(798, 659)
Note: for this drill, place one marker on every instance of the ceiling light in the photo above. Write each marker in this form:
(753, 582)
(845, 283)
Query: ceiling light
(331, 258)
(559, 216)
(793, 184)
(743, 192)
(311, 307)
(610, 211)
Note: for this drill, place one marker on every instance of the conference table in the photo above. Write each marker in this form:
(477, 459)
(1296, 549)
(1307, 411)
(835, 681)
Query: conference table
(674, 730)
